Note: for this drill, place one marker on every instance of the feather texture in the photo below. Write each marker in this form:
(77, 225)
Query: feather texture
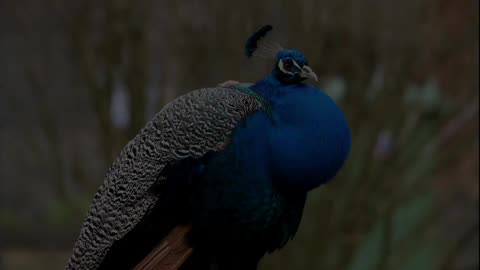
(220, 176)
(170, 254)
(188, 127)
(258, 45)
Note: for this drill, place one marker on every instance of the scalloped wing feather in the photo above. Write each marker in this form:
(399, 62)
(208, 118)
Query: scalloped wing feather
(190, 126)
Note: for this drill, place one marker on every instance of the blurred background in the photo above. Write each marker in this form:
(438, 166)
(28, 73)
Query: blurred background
(78, 79)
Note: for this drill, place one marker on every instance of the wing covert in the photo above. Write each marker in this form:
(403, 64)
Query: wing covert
(188, 127)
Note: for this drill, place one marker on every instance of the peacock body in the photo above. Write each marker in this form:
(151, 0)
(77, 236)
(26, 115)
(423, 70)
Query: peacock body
(233, 163)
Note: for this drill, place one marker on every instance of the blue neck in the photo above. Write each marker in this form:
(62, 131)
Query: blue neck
(267, 87)
(310, 138)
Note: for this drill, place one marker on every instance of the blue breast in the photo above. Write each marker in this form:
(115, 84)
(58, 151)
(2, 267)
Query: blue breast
(301, 144)
(310, 138)
(237, 183)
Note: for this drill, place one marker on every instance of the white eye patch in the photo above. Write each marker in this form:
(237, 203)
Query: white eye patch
(297, 65)
(282, 67)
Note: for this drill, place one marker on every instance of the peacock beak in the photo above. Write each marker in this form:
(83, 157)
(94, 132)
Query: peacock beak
(308, 73)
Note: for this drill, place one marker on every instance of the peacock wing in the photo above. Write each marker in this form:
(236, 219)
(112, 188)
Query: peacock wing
(188, 127)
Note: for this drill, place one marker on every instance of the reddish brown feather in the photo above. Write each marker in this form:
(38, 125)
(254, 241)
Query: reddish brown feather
(170, 253)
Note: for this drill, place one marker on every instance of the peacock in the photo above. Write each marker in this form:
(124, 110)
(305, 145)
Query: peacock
(219, 177)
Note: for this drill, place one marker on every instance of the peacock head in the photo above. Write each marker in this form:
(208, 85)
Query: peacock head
(291, 66)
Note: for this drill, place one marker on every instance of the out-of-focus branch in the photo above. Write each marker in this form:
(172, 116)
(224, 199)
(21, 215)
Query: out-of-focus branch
(457, 123)
(96, 63)
(137, 70)
(116, 45)
(459, 246)
(48, 126)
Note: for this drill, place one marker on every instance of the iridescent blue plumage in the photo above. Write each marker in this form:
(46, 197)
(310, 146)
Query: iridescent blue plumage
(311, 138)
(219, 175)
(251, 195)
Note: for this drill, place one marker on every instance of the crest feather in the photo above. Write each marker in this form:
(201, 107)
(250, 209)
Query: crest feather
(258, 45)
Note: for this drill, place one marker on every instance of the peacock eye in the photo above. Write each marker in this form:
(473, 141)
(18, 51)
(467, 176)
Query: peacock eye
(288, 63)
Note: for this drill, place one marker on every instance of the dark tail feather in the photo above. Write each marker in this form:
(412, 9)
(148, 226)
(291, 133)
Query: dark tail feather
(170, 253)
